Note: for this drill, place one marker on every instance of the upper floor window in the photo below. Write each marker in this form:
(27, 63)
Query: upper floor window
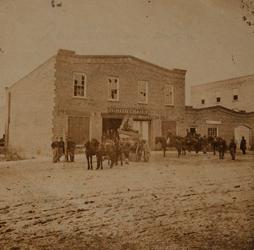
(235, 95)
(79, 84)
(169, 94)
(142, 92)
(218, 98)
(203, 101)
(113, 88)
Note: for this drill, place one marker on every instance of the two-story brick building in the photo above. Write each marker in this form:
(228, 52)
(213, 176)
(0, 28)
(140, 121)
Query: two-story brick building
(82, 96)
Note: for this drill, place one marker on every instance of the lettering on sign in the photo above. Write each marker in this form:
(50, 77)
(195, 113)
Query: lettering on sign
(131, 111)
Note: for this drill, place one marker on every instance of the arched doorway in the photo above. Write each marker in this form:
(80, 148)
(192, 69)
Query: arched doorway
(241, 131)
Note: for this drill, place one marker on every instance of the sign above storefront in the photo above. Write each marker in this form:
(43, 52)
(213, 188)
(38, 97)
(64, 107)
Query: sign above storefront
(127, 111)
(213, 122)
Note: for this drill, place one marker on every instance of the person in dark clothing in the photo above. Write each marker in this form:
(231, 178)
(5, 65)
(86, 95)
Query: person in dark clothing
(54, 146)
(221, 148)
(70, 150)
(243, 145)
(214, 144)
(178, 145)
(232, 149)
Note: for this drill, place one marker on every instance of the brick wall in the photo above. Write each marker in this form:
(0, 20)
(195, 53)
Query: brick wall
(31, 110)
(129, 70)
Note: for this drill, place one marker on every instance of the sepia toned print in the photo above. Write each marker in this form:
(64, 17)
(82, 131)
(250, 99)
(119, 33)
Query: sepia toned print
(126, 124)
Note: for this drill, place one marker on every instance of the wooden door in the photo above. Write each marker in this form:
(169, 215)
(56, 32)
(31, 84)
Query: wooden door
(78, 129)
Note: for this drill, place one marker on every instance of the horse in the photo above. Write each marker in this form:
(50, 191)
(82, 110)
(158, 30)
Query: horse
(163, 142)
(180, 143)
(91, 148)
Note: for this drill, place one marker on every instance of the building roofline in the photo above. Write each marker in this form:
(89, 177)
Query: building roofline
(218, 107)
(224, 80)
(63, 52)
(72, 53)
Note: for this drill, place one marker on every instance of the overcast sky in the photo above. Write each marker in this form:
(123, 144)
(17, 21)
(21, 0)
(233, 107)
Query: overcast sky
(205, 37)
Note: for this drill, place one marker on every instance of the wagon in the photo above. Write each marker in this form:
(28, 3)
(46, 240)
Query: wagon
(134, 140)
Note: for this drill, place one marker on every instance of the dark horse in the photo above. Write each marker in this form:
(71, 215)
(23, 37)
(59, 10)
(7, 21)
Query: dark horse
(180, 143)
(174, 141)
(163, 142)
(91, 148)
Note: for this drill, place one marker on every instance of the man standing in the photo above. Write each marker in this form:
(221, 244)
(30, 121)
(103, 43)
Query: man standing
(214, 144)
(147, 152)
(221, 148)
(70, 150)
(54, 146)
(232, 149)
(243, 145)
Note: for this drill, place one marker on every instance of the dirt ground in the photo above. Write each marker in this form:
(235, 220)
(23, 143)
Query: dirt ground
(195, 202)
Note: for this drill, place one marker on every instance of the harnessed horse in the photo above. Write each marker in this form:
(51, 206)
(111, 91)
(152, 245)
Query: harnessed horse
(91, 148)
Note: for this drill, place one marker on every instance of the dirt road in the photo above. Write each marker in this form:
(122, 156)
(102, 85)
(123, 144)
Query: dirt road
(196, 202)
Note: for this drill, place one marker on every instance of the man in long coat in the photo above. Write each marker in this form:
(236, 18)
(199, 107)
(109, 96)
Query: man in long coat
(243, 145)
(221, 148)
(232, 149)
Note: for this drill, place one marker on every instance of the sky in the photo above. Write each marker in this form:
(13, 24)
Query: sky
(206, 37)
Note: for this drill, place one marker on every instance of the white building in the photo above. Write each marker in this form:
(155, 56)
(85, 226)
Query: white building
(236, 93)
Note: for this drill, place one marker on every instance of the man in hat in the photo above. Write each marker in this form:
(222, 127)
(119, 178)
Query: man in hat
(243, 145)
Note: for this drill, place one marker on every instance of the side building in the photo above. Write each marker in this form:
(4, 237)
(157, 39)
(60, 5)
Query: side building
(222, 122)
(236, 93)
(84, 96)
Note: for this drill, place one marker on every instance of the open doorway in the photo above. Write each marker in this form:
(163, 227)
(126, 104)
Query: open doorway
(110, 126)
(242, 131)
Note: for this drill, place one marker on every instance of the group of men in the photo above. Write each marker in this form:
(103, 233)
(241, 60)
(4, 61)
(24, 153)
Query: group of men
(63, 148)
(220, 144)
